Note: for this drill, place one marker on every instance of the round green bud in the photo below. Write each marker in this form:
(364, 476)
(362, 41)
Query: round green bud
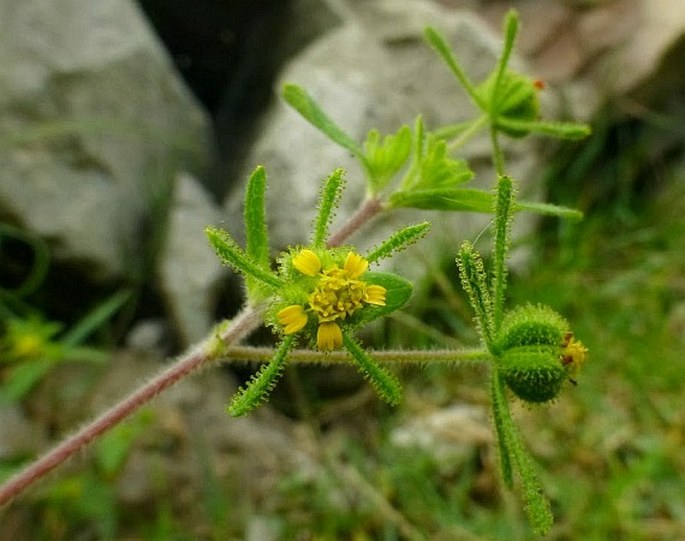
(516, 99)
(534, 374)
(531, 325)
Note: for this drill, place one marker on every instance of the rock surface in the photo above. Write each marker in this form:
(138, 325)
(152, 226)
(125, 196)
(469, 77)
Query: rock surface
(95, 124)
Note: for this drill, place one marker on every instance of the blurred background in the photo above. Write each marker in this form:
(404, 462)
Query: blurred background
(126, 127)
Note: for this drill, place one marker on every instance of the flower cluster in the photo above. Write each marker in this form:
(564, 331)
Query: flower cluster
(336, 295)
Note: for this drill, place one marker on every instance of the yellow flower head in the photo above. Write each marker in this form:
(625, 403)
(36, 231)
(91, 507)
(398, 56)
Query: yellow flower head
(574, 354)
(338, 293)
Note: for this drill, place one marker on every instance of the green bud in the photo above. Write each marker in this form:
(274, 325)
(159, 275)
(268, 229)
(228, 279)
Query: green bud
(531, 325)
(536, 352)
(534, 374)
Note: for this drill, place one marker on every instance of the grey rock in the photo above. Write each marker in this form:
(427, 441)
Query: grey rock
(189, 271)
(94, 124)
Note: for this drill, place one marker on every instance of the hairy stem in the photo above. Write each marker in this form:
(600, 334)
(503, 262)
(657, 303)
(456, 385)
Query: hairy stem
(240, 327)
(365, 213)
(306, 356)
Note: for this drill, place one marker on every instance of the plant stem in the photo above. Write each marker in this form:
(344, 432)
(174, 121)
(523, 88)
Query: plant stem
(469, 132)
(497, 155)
(306, 356)
(246, 322)
(365, 213)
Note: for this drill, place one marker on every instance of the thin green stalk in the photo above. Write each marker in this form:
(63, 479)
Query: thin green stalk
(497, 154)
(468, 133)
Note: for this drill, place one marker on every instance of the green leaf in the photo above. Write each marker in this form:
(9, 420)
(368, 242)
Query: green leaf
(511, 22)
(385, 156)
(304, 104)
(432, 168)
(262, 383)
(504, 212)
(328, 202)
(398, 292)
(474, 282)
(561, 130)
(256, 233)
(499, 409)
(231, 254)
(515, 98)
(400, 240)
(450, 199)
(386, 384)
(537, 506)
(548, 209)
(435, 40)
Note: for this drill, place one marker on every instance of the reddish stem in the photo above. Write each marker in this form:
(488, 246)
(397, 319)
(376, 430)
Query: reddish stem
(246, 322)
(241, 326)
(364, 214)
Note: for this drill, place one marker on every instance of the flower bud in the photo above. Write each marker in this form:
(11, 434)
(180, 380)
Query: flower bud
(537, 353)
(534, 374)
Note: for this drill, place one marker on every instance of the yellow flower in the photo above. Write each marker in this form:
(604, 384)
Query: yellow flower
(293, 318)
(355, 265)
(338, 294)
(375, 295)
(307, 262)
(574, 354)
(329, 336)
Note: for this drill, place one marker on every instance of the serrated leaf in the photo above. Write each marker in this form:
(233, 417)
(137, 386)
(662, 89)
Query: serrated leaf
(450, 199)
(304, 104)
(385, 155)
(432, 168)
(398, 292)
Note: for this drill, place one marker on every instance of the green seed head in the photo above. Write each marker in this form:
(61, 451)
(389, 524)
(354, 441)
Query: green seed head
(534, 374)
(531, 325)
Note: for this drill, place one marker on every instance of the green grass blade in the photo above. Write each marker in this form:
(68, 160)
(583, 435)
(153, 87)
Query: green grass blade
(304, 104)
(94, 319)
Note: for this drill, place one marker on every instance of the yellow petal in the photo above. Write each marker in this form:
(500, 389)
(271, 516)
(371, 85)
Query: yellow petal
(293, 318)
(307, 262)
(329, 336)
(375, 295)
(355, 265)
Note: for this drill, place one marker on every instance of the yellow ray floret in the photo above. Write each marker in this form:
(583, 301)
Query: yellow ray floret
(355, 265)
(375, 295)
(307, 262)
(329, 336)
(293, 318)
